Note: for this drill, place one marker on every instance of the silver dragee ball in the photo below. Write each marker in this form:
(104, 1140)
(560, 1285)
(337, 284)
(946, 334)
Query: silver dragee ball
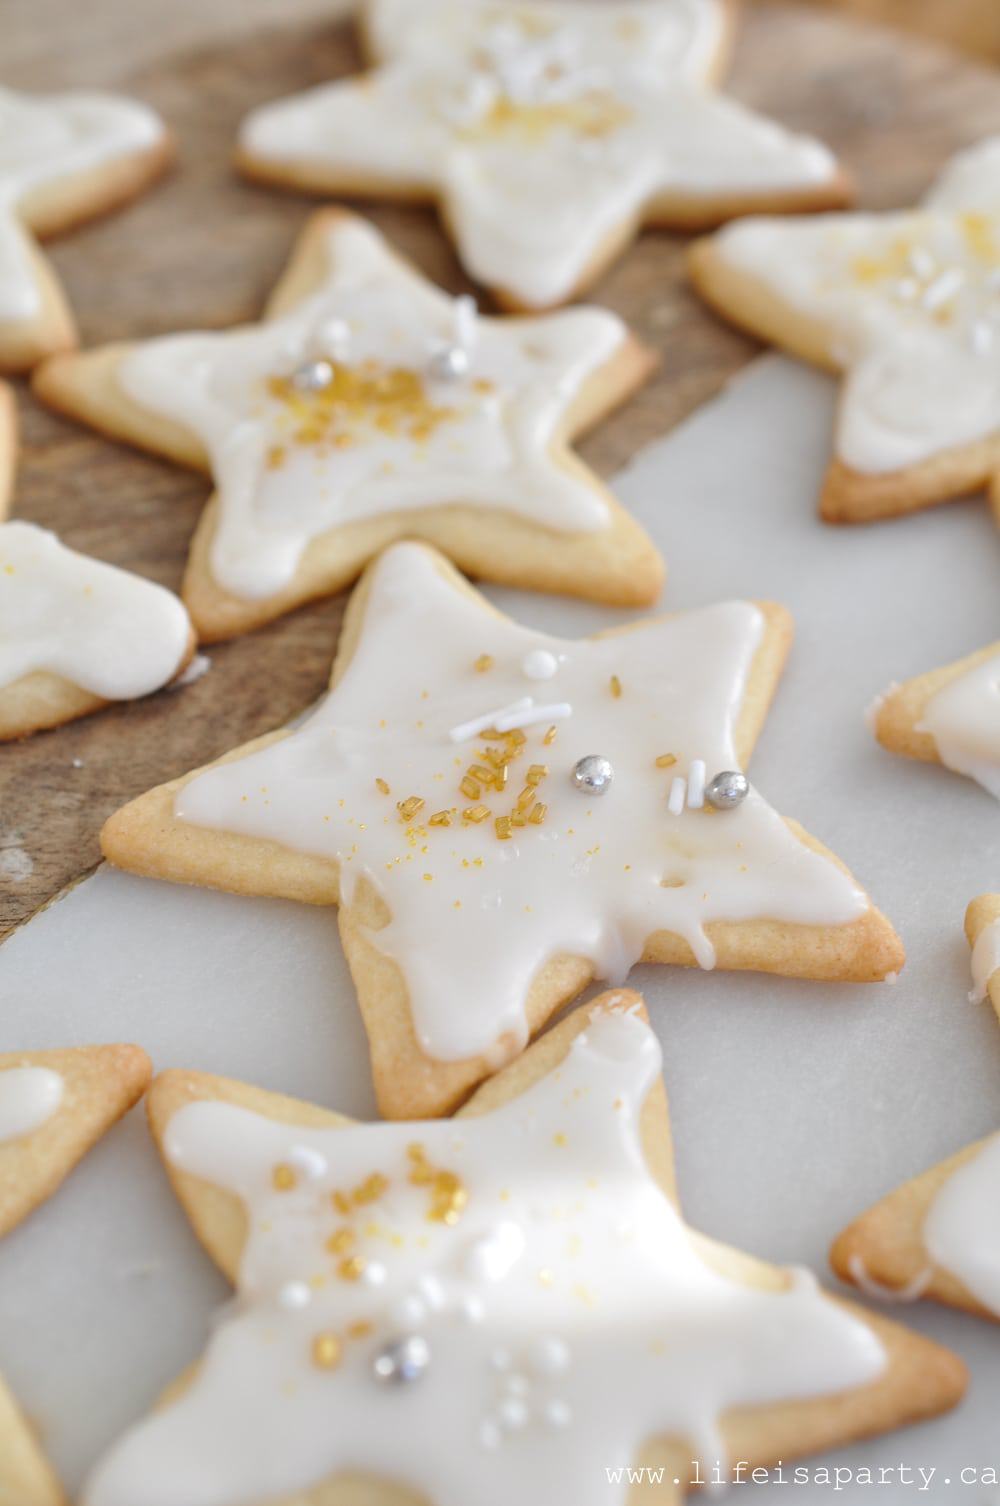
(313, 376)
(727, 790)
(449, 363)
(402, 1361)
(593, 774)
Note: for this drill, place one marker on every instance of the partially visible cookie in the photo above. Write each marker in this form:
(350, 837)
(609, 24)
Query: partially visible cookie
(905, 305)
(54, 1106)
(949, 716)
(503, 816)
(76, 634)
(367, 406)
(546, 133)
(66, 158)
(522, 1271)
(938, 1235)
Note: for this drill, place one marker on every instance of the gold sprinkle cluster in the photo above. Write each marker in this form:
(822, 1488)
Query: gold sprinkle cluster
(391, 400)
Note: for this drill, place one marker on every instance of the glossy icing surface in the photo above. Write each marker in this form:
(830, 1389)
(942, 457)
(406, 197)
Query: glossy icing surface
(104, 629)
(962, 1226)
(910, 306)
(568, 1315)
(543, 128)
(963, 718)
(385, 434)
(29, 1096)
(47, 138)
(488, 881)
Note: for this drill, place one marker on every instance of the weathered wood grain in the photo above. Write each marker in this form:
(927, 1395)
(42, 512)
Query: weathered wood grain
(204, 248)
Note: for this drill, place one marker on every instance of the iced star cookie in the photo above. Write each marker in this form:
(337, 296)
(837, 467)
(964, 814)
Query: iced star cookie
(938, 1236)
(521, 1270)
(367, 406)
(76, 633)
(503, 816)
(949, 716)
(54, 1106)
(907, 306)
(546, 133)
(64, 158)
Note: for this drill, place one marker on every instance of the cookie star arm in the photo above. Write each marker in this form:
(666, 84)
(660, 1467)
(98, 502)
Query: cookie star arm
(26, 1477)
(941, 716)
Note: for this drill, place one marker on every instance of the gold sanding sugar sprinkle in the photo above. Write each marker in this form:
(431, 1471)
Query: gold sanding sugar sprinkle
(390, 399)
(480, 772)
(449, 1194)
(370, 1190)
(326, 1351)
(549, 737)
(469, 788)
(483, 663)
(341, 1202)
(380, 784)
(502, 825)
(283, 1177)
(615, 686)
(525, 798)
(340, 1241)
(538, 813)
(475, 814)
(409, 807)
(276, 457)
(536, 773)
(359, 1330)
(666, 760)
(594, 113)
(440, 818)
(351, 1268)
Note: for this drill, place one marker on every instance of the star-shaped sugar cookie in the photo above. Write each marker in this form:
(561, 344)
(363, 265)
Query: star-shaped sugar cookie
(949, 716)
(938, 1236)
(64, 158)
(546, 133)
(907, 306)
(503, 816)
(54, 1106)
(370, 405)
(521, 1270)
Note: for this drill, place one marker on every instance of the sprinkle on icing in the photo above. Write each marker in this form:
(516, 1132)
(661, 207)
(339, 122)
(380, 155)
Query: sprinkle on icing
(570, 875)
(963, 718)
(553, 1306)
(29, 1096)
(542, 127)
(47, 140)
(104, 629)
(381, 434)
(911, 303)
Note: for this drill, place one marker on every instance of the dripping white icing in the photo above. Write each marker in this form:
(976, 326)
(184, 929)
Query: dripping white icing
(29, 1096)
(543, 128)
(474, 918)
(962, 1226)
(110, 632)
(985, 960)
(911, 304)
(45, 139)
(289, 466)
(568, 1312)
(963, 718)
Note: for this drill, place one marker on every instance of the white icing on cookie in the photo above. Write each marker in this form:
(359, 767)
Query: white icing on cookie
(543, 128)
(568, 1314)
(963, 718)
(108, 631)
(985, 960)
(47, 140)
(910, 303)
(474, 916)
(962, 1226)
(29, 1096)
(384, 435)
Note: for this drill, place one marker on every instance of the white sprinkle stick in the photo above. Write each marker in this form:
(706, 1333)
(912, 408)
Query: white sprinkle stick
(556, 711)
(465, 730)
(943, 289)
(678, 795)
(696, 784)
(466, 315)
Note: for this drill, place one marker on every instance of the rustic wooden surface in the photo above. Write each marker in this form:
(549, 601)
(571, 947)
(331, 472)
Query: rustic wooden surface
(203, 249)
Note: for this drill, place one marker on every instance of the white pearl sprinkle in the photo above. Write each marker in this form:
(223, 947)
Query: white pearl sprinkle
(408, 1312)
(516, 1384)
(558, 1414)
(513, 1412)
(294, 1295)
(539, 664)
(549, 1355)
(500, 1359)
(473, 1309)
(311, 1163)
(374, 1273)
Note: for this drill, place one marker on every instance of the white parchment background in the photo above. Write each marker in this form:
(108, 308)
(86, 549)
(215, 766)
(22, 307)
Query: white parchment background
(794, 1104)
